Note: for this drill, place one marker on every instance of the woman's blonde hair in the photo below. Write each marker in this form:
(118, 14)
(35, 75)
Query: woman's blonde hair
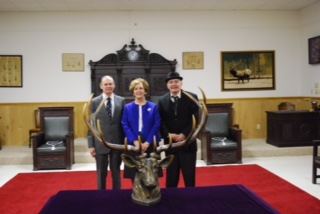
(136, 82)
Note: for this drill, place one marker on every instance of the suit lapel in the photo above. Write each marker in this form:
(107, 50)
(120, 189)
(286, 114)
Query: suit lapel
(116, 111)
(170, 104)
(182, 102)
(103, 111)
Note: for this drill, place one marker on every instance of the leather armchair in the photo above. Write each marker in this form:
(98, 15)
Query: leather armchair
(221, 141)
(315, 161)
(53, 146)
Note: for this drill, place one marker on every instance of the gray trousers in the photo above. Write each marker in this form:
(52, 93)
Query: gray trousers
(102, 163)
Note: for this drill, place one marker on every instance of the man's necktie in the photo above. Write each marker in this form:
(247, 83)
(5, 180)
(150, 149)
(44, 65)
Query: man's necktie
(175, 104)
(108, 107)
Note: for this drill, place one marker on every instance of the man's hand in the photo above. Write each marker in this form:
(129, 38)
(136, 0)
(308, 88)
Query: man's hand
(92, 152)
(177, 137)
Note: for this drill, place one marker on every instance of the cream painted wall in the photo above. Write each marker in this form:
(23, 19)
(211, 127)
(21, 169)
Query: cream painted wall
(42, 38)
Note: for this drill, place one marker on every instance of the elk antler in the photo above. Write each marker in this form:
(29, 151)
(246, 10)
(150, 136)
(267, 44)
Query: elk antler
(90, 118)
(94, 126)
(203, 111)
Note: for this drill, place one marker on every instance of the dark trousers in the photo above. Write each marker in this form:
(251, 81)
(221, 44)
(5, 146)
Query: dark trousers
(102, 162)
(186, 162)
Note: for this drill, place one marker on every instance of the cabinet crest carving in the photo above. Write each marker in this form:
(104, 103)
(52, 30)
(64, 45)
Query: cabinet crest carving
(130, 62)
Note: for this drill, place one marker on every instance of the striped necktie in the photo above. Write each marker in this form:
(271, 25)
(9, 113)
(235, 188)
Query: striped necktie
(108, 107)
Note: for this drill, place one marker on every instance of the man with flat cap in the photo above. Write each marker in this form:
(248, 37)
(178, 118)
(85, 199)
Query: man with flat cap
(176, 110)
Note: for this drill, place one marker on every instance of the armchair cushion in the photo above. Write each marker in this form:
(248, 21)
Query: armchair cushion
(47, 148)
(226, 145)
(56, 128)
(218, 124)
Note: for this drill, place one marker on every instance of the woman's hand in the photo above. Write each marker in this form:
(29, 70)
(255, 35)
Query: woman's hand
(145, 146)
(136, 143)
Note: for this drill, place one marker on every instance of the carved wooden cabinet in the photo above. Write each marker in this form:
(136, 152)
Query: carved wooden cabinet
(292, 128)
(131, 62)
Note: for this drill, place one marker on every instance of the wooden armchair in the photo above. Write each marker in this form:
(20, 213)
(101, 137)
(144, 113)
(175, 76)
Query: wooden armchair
(53, 146)
(221, 141)
(315, 161)
(35, 130)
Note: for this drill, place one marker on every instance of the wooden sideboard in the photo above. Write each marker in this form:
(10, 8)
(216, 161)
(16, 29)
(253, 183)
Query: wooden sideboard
(292, 128)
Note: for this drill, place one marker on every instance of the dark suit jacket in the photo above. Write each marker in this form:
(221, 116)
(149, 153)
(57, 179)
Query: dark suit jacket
(111, 128)
(180, 123)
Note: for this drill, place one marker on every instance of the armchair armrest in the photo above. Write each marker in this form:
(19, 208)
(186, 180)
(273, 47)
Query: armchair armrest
(235, 134)
(316, 143)
(38, 139)
(70, 135)
(206, 130)
(236, 126)
(69, 140)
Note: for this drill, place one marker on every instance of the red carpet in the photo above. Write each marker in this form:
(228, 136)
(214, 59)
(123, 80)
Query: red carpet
(28, 192)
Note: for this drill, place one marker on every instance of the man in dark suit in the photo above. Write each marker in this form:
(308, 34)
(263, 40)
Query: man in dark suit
(110, 120)
(176, 110)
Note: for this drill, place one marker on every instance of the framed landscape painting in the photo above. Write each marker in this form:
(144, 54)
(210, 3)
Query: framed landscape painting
(314, 50)
(247, 70)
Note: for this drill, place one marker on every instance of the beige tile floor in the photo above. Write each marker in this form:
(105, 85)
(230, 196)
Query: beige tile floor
(293, 166)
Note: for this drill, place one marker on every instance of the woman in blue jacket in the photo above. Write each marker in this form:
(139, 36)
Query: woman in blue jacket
(140, 118)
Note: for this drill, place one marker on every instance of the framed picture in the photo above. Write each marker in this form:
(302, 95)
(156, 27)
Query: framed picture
(247, 70)
(314, 50)
(73, 62)
(10, 70)
(192, 60)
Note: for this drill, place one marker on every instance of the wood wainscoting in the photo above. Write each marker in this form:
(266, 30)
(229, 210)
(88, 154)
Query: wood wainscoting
(249, 113)
(18, 118)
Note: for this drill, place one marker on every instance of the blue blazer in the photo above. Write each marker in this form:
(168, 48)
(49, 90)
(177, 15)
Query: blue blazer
(150, 119)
